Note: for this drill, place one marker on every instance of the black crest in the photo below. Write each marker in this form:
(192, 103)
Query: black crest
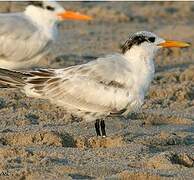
(36, 3)
(137, 39)
(133, 40)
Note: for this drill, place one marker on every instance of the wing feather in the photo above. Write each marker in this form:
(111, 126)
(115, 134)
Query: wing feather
(99, 86)
(19, 37)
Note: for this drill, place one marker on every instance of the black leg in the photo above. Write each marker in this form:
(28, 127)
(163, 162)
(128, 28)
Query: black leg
(103, 128)
(97, 127)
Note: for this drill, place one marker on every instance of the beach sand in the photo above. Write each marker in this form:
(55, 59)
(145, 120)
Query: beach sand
(39, 140)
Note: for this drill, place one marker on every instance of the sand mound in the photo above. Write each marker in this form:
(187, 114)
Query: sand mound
(97, 142)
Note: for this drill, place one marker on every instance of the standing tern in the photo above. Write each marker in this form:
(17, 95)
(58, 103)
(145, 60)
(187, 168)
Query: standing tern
(26, 38)
(115, 84)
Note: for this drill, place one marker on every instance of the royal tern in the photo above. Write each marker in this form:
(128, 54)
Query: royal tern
(115, 84)
(27, 37)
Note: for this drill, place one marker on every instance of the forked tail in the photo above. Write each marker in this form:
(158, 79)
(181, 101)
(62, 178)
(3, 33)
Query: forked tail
(12, 79)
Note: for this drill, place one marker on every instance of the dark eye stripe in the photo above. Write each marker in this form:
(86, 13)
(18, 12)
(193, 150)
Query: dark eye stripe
(136, 40)
(133, 40)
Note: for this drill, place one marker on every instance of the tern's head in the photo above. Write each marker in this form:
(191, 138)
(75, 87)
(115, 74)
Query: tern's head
(53, 11)
(148, 42)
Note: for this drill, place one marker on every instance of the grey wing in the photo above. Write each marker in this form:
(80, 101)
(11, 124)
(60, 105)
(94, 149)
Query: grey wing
(85, 87)
(19, 38)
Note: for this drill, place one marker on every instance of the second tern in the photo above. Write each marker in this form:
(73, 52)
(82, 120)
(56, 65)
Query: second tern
(26, 38)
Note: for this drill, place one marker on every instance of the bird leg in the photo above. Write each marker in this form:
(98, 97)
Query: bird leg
(103, 128)
(97, 127)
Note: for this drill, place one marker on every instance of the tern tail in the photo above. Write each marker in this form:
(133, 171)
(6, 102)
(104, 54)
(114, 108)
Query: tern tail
(12, 79)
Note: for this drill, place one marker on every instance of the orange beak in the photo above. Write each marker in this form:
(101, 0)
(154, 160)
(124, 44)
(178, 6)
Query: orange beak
(70, 15)
(178, 44)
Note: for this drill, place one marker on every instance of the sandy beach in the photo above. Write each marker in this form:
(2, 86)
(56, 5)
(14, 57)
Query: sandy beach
(39, 140)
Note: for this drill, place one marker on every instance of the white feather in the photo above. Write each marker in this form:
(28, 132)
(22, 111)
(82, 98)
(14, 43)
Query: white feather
(26, 38)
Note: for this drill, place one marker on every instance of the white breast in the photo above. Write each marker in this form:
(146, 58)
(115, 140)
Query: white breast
(142, 67)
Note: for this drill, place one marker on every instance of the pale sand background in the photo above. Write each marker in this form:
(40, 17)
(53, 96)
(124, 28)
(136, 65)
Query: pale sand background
(40, 141)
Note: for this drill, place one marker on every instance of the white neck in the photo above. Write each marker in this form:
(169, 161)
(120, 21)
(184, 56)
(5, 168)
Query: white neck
(142, 66)
(43, 20)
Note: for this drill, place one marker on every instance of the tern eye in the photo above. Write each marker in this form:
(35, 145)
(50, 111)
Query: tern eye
(50, 8)
(152, 39)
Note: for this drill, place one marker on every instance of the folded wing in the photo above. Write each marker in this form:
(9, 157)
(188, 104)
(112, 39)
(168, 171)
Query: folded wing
(101, 85)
